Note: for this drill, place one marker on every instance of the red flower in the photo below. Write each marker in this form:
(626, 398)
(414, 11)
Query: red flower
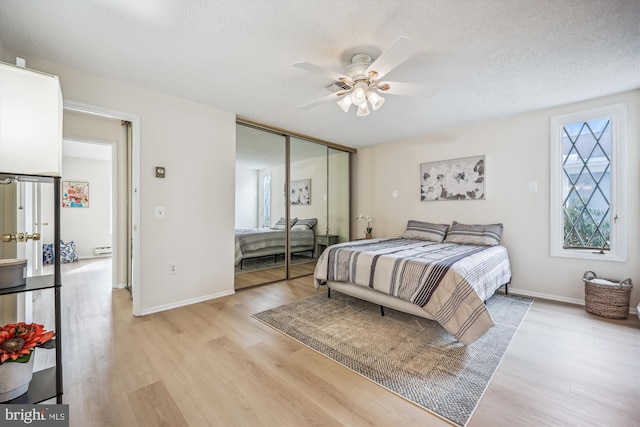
(19, 340)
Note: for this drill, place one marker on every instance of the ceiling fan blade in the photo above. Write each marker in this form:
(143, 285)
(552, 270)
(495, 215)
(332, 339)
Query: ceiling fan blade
(395, 55)
(407, 89)
(335, 76)
(331, 97)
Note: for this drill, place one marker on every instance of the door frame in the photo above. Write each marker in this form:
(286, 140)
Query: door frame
(134, 201)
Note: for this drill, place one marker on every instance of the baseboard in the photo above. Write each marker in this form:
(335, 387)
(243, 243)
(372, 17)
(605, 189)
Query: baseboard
(120, 286)
(182, 303)
(94, 256)
(552, 297)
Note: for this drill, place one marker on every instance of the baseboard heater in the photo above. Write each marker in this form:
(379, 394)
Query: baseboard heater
(103, 250)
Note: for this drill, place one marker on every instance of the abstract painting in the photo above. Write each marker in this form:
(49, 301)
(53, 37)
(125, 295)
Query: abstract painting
(75, 194)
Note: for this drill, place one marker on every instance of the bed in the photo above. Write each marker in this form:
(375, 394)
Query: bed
(260, 242)
(440, 272)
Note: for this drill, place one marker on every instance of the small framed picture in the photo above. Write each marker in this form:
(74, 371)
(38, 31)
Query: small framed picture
(75, 194)
(300, 192)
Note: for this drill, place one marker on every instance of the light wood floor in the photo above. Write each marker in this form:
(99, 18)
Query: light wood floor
(268, 275)
(211, 364)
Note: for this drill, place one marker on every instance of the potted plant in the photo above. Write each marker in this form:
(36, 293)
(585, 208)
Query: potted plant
(18, 341)
(369, 229)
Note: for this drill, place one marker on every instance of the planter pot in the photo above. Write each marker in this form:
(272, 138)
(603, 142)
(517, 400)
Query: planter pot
(15, 379)
(368, 235)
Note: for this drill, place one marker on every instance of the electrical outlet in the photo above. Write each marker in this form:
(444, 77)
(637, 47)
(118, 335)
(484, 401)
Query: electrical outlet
(172, 269)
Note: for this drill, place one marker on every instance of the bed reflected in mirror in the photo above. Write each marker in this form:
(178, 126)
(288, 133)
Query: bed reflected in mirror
(292, 198)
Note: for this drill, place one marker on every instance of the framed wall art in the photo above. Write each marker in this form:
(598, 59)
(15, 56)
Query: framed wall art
(300, 192)
(457, 179)
(75, 194)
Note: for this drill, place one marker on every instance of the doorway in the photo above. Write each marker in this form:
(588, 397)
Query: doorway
(125, 212)
(90, 226)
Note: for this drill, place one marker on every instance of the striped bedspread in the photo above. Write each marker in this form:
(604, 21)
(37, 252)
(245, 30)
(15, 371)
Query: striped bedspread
(253, 239)
(449, 281)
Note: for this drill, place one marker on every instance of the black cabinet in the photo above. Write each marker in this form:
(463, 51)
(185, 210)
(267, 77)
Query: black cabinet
(46, 384)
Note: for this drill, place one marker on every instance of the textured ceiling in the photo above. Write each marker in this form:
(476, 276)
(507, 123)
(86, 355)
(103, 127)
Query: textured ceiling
(489, 58)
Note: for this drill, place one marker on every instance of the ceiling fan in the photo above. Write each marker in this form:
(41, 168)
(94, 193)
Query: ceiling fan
(361, 82)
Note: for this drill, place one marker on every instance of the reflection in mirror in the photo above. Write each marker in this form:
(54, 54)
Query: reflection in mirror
(260, 240)
(9, 304)
(317, 204)
(22, 217)
(307, 203)
(8, 209)
(26, 208)
(338, 183)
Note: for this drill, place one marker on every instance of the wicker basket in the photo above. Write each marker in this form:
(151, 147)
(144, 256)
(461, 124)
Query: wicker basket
(606, 298)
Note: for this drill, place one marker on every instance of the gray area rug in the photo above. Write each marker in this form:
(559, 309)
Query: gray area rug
(413, 357)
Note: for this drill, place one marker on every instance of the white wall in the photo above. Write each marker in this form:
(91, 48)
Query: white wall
(246, 198)
(196, 144)
(88, 227)
(339, 195)
(517, 152)
(316, 170)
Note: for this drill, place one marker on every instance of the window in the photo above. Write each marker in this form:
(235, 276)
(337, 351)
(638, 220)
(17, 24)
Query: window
(588, 184)
(266, 201)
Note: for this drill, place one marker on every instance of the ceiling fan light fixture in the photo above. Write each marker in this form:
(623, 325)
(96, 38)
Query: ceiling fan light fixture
(363, 110)
(375, 99)
(361, 82)
(345, 103)
(359, 94)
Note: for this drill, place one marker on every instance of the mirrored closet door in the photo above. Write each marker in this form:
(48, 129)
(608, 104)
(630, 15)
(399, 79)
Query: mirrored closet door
(338, 194)
(260, 217)
(300, 190)
(308, 201)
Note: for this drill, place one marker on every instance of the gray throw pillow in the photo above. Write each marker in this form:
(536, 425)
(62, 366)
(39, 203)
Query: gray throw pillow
(474, 234)
(281, 223)
(425, 231)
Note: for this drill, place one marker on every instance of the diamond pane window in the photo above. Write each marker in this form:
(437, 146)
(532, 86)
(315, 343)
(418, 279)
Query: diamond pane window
(588, 184)
(587, 187)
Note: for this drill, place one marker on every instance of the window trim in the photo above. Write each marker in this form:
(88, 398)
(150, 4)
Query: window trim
(619, 142)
